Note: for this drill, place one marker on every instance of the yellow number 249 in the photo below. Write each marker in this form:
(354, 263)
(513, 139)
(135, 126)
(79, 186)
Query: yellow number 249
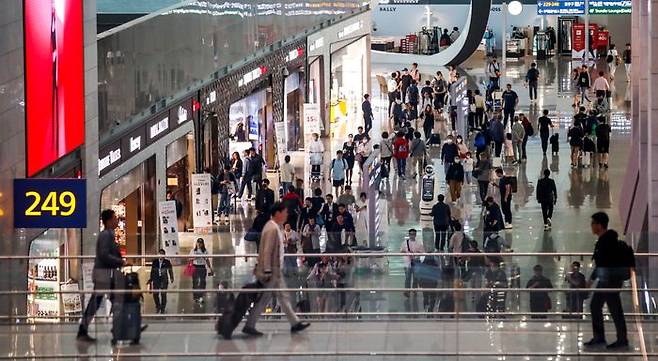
(51, 204)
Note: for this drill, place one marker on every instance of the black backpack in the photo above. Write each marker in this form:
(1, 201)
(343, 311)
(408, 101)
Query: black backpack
(609, 59)
(626, 260)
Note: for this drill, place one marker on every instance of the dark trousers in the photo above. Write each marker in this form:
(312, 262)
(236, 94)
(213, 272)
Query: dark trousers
(391, 100)
(532, 89)
(246, 182)
(199, 281)
(544, 142)
(409, 278)
(428, 133)
(440, 237)
(547, 211)
(402, 166)
(367, 123)
(498, 147)
(386, 162)
(160, 298)
(90, 311)
(523, 147)
(613, 301)
(506, 207)
(484, 186)
(479, 116)
(507, 114)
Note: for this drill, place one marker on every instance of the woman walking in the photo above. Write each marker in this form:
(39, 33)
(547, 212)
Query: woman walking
(201, 265)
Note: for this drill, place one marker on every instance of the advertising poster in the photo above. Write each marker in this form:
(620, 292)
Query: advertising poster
(311, 118)
(169, 227)
(281, 143)
(54, 80)
(201, 200)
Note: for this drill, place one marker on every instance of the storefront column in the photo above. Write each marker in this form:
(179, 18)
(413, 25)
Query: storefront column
(90, 148)
(161, 177)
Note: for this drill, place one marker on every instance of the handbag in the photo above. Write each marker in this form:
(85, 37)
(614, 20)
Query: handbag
(189, 269)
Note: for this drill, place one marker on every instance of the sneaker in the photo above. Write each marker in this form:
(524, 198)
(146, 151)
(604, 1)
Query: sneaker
(301, 326)
(84, 337)
(251, 331)
(508, 226)
(546, 227)
(594, 342)
(618, 345)
(549, 222)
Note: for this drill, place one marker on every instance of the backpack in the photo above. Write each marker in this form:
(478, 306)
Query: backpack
(479, 142)
(626, 260)
(609, 59)
(529, 130)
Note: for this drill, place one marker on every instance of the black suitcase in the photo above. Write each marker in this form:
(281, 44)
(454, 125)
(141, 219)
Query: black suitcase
(435, 139)
(126, 322)
(235, 308)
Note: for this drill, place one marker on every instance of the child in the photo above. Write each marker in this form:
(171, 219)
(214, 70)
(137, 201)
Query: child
(555, 144)
(467, 163)
(589, 148)
(509, 149)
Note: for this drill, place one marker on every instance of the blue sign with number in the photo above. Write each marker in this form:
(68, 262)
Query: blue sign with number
(50, 203)
(560, 7)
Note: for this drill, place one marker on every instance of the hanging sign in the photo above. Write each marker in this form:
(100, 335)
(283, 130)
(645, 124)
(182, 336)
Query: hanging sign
(169, 227)
(50, 203)
(311, 118)
(201, 200)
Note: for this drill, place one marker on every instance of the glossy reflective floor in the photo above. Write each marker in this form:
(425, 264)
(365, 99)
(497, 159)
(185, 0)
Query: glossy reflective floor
(581, 191)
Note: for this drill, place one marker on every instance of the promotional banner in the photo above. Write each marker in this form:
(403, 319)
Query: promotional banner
(201, 200)
(54, 80)
(169, 227)
(50, 203)
(281, 143)
(312, 118)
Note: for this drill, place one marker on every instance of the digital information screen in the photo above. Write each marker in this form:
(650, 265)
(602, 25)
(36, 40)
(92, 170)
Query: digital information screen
(560, 7)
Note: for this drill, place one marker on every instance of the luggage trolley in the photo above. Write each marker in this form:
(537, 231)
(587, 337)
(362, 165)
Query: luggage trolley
(316, 160)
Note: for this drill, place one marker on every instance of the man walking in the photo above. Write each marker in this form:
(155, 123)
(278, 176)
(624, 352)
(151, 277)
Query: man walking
(493, 71)
(337, 170)
(608, 252)
(269, 272)
(162, 274)
(505, 185)
(518, 134)
(366, 107)
(108, 260)
(510, 101)
(455, 179)
(441, 220)
(410, 246)
(545, 125)
(547, 197)
(532, 78)
(627, 61)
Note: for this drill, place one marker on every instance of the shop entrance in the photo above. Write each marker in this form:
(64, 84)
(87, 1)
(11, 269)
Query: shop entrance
(250, 122)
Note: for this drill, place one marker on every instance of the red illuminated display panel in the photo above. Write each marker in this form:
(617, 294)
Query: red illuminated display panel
(54, 80)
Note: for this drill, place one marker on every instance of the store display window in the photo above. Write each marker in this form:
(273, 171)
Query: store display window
(132, 197)
(247, 117)
(47, 276)
(348, 84)
(293, 103)
(180, 166)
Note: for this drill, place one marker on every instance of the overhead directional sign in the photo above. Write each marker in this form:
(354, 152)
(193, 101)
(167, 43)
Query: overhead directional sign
(606, 7)
(560, 7)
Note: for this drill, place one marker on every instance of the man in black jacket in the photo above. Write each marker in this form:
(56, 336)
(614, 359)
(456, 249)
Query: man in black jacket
(256, 165)
(441, 220)
(606, 258)
(455, 179)
(248, 176)
(108, 260)
(162, 274)
(547, 197)
(264, 197)
(366, 107)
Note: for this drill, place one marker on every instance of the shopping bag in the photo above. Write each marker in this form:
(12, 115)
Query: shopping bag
(189, 270)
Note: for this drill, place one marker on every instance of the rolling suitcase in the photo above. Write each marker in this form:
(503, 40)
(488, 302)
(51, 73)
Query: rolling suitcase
(127, 310)
(234, 309)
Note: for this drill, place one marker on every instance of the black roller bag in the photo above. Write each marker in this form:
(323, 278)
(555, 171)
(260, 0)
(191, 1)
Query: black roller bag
(127, 310)
(234, 308)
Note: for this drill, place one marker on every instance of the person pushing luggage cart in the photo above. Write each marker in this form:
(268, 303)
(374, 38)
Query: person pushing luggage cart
(316, 152)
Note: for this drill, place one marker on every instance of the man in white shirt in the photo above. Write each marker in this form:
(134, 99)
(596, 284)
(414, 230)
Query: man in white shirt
(393, 90)
(411, 245)
(287, 174)
(601, 85)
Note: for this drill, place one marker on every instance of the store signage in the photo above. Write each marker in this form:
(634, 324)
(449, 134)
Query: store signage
(109, 157)
(311, 118)
(350, 29)
(610, 7)
(560, 7)
(157, 127)
(211, 98)
(54, 80)
(281, 141)
(294, 54)
(252, 75)
(316, 44)
(201, 200)
(169, 227)
(180, 114)
(50, 203)
(133, 142)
